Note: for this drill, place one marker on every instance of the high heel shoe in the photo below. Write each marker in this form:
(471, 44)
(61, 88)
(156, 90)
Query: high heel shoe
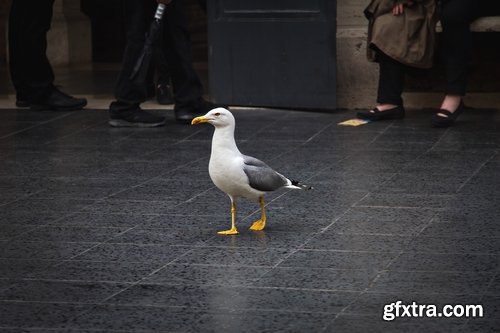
(375, 114)
(449, 118)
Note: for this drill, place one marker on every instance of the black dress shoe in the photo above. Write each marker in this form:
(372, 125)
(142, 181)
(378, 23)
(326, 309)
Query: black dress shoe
(375, 114)
(185, 114)
(56, 100)
(135, 118)
(164, 94)
(22, 104)
(449, 118)
(22, 100)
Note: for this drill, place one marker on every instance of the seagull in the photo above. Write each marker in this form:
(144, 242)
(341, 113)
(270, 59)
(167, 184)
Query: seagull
(238, 175)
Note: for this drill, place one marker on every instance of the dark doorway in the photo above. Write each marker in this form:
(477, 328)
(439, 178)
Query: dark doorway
(273, 52)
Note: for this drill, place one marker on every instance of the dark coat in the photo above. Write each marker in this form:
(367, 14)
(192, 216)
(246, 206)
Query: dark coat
(408, 38)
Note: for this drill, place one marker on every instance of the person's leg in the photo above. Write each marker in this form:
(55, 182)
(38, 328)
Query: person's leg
(162, 66)
(125, 111)
(187, 86)
(456, 47)
(391, 82)
(456, 44)
(456, 17)
(130, 94)
(163, 80)
(390, 88)
(188, 90)
(30, 69)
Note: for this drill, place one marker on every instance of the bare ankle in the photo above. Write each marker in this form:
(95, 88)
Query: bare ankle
(384, 107)
(451, 102)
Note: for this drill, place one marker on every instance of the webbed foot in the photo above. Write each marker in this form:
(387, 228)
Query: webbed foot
(258, 225)
(232, 231)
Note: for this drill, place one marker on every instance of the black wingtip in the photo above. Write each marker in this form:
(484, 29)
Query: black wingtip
(301, 185)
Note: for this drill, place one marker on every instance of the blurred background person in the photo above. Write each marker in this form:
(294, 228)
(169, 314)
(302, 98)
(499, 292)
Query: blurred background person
(31, 72)
(175, 42)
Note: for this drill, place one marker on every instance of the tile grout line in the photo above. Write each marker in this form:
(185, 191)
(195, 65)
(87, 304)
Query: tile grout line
(133, 284)
(91, 125)
(311, 177)
(317, 133)
(235, 286)
(205, 245)
(103, 301)
(21, 198)
(312, 236)
(103, 199)
(16, 238)
(485, 292)
(55, 263)
(476, 171)
(380, 134)
(69, 259)
(397, 172)
(37, 125)
(107, 241)
(76, 330)
(379, 273)
(440, 139)
(399, 207)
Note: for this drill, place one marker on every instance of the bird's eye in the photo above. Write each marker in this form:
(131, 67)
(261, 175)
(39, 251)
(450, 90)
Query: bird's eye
(217, 114)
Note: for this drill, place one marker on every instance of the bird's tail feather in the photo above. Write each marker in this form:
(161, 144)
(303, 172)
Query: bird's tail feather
(295, 184)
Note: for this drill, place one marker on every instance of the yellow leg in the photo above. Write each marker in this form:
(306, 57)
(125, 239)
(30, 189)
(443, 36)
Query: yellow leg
(261, 223)
(233, 230)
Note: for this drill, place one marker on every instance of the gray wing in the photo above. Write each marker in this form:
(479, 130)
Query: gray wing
(261, 177)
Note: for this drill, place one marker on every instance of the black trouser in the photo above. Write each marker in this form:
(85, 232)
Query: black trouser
(391, 80)
(456, 39)
(30, 69)
(176, 42)
(456, 16)
(161, 63)
(162, 68)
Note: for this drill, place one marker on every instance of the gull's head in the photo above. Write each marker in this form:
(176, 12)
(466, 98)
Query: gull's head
(218, 117)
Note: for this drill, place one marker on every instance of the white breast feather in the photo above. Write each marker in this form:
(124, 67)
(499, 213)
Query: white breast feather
(228, 175)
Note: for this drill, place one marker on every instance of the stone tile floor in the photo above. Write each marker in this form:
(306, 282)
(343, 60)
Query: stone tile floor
(114, 230)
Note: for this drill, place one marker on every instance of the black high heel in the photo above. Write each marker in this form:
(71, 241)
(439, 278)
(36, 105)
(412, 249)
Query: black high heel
(375, 114)
(440, 121)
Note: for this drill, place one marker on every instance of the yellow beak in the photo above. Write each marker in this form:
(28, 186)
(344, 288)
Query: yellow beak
(199, 120)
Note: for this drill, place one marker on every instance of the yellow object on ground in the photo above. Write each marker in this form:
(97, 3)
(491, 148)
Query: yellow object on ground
(353, 122)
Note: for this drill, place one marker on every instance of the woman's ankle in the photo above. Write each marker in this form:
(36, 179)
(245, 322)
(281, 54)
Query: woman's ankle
(384, 107)
(451, 102)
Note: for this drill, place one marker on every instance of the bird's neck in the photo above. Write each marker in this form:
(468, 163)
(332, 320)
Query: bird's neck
(224, 139)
